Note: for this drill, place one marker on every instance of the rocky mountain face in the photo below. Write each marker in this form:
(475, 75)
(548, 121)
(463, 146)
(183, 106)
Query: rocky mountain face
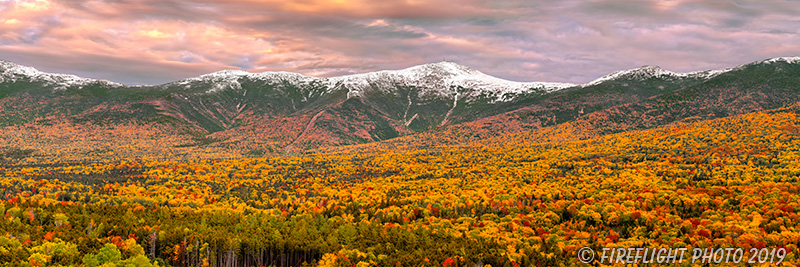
(650, 96)
(273, 105)
(290, 111)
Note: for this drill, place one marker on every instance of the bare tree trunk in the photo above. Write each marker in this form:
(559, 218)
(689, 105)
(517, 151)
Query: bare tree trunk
(183, 259)
(260, 257)
(153, 238)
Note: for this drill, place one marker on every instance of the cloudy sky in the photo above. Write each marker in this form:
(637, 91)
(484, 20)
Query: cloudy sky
(156, 41)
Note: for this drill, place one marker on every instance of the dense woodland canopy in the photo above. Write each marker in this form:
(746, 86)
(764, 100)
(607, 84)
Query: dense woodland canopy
(530, 199)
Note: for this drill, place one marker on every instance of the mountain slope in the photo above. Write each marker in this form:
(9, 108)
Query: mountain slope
(274, 112)
(271, 107)
(636, 99)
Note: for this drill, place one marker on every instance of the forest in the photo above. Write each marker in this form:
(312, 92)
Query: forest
(529, 199)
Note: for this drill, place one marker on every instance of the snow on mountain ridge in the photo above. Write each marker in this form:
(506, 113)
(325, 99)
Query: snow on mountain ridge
(649, 71)
(790, 60)
(228, 74)
(655, 71)
(435, 79)
(440, 78)
(230, 78)
(13, 72)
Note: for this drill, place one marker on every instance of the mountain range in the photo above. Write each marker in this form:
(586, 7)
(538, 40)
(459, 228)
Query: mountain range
(277, 112)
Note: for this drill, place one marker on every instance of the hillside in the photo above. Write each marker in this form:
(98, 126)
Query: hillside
(274, 111)
(635, 99)
(723, 182)
(239, 114)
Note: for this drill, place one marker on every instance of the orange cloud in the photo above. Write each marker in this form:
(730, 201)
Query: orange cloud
(368, 8)
(255, 35)
(518, 40)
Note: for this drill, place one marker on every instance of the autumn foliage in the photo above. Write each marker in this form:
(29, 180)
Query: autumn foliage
(529, 199)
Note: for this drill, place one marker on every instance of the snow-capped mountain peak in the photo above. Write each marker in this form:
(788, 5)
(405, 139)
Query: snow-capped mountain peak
(235, 74)
(650, 71)
(11, 72)
(225, 79)
(643, 72)
(444, 69)
(442, 79)
(10, 68)
(225, 73)
(790, 60)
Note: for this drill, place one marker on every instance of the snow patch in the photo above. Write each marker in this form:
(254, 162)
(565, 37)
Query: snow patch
(440, 79)
(229, 79)
(790, 60)
(646, 72)
(10, 72)
(655, 71)
(434, 80)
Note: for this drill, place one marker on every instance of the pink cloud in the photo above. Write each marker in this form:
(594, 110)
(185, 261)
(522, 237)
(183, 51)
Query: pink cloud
(569, 41)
